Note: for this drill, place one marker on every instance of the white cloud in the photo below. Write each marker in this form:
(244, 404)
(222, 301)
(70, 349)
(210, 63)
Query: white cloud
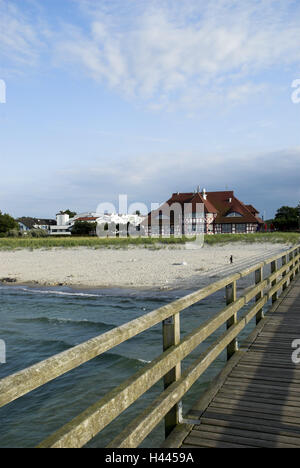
(183, 54)
(268, 180)
(20, 41)
(267, 177)
(189, 52)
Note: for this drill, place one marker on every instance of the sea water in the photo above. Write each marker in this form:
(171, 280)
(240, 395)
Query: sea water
(39, 322)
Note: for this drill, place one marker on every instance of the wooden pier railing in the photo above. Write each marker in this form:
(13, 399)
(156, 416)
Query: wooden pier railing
(77, 433)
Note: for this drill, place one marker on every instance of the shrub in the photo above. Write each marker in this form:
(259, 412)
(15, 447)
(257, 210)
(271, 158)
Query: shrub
(38, 233)
(14, 233)
(7, 223)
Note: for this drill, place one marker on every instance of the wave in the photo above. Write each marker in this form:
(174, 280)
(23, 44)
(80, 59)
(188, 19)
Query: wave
(123, 302)
(113, 358)
(63, 321)
(32, 345)
(60, 293)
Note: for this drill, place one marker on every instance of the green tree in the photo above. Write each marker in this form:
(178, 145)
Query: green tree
(286, 218)
(7, 223)
(84, 228)
(69, 212)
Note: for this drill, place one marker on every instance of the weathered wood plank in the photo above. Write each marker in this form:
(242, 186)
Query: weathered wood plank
(266, 370)
(252, 433)
(262, 391)
(234, 438)
(238, 421)
(250, 398)
(261, 396)
(260, 418)
(281, 386)
(205, 443)
(208, 441)
(265, 377)
(258, 407)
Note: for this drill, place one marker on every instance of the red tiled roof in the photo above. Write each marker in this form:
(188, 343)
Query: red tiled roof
(226, 202)
(252, 209)
(182, 199)
(194, 199)
(219, 203)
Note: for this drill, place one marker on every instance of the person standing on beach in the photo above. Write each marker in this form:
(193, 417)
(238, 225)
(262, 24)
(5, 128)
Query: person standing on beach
(231, 258)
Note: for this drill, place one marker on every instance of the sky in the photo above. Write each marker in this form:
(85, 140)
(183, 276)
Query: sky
(146, 98)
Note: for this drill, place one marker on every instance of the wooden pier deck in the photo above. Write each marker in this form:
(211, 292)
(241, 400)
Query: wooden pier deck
(258, 403)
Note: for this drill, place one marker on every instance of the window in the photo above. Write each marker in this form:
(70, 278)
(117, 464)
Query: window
(226, 228)
(241, 228)
(234, 214)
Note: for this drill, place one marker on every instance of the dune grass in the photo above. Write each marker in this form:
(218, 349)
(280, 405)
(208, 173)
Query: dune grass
(91, 242)
(272, 237)
(10, 243)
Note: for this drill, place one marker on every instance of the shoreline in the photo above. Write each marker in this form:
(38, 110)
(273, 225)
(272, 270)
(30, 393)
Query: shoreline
(135, 268)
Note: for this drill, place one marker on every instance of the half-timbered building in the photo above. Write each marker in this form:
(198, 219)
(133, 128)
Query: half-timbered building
(203, 212)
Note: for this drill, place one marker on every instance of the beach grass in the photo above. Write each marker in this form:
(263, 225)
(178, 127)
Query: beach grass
(11, 243)
(272, 237)
(8, 243)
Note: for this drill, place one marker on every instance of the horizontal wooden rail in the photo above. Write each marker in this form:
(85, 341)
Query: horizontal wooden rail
(100, 414)
(138, 430)
(29, 379)
(115, 402)
(89, 423)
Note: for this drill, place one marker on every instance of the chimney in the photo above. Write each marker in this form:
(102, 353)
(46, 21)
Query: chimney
(204, 194)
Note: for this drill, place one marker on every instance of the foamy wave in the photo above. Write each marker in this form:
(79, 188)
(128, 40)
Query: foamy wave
(60, 293)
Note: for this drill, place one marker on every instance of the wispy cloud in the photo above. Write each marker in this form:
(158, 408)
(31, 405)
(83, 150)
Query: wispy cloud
(166, 54)
(189, 52)
(20, 39)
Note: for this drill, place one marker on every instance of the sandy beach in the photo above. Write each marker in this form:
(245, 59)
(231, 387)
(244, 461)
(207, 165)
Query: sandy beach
(129, 268)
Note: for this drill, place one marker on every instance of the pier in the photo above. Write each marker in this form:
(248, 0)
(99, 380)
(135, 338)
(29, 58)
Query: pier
(253, 402)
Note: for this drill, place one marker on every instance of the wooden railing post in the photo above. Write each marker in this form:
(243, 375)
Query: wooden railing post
(171, 337)
(258, 279)
(284, 273)
(230, 298)
(273, 270)
(292, 266)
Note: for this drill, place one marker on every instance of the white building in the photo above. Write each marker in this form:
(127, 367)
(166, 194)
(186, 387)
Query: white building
(116, 222)
(63, 225)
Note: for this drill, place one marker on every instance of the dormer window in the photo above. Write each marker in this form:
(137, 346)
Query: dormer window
(234, 214)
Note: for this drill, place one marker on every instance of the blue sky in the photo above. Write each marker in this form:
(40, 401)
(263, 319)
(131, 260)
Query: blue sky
(146, 98)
